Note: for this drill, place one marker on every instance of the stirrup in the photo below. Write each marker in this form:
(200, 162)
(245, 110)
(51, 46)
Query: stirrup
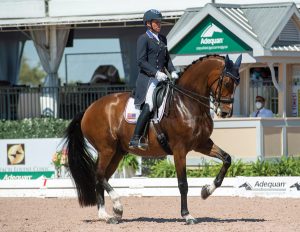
(139, 142)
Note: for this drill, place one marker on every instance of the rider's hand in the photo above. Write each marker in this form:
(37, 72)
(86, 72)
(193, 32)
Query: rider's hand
(160, 76)
(174, 75)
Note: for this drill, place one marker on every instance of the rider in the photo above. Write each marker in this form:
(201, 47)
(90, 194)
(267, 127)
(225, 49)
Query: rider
(152, 58)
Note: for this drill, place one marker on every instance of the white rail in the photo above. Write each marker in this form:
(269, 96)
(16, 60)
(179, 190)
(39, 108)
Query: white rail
(286, 187)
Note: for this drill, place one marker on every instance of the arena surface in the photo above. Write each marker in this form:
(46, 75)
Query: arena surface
(152, 214)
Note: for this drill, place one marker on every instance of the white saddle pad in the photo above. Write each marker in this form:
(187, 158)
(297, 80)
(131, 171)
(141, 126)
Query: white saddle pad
(131, 113)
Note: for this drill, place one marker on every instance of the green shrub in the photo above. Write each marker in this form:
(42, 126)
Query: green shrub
(276, 167)
(129, 160)
(33, 128)
(287, 167)
(163, 168)
(147, 163)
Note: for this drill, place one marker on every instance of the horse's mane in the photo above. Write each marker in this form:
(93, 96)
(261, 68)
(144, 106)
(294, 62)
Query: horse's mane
(201, 59)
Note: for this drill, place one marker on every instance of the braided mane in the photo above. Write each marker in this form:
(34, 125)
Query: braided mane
(200, 60)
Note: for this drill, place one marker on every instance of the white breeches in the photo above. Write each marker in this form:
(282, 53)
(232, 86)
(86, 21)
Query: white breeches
(149, 94)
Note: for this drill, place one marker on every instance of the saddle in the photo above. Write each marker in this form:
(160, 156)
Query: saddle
(161, 97)
(159, 94)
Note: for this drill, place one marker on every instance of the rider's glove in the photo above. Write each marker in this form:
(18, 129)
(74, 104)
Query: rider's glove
(174, 75)
(160, 76)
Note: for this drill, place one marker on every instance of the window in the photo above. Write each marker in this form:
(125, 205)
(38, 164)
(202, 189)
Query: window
(261, 84)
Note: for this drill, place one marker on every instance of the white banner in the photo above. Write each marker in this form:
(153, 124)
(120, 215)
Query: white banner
(25, 159)
(268, 186)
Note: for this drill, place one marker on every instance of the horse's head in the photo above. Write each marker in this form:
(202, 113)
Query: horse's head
(223, 87)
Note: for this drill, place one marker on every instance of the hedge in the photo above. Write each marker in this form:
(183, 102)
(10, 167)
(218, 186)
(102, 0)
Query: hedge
(33, 128)
(276, 167)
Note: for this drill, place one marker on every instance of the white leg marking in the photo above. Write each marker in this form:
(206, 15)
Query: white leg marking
(103, 216)
(117, 206)
(114, 196)
(212, 188)
(187, 217)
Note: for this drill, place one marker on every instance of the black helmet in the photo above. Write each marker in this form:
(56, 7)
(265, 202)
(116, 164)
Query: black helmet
(151, 15)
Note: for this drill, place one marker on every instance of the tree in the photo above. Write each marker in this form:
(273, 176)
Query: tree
(31, 76)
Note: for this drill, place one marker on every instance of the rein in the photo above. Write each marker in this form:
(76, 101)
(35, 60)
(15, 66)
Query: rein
(190, 94)
(217, 98)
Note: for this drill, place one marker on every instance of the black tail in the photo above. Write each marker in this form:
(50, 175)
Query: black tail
(81, 163)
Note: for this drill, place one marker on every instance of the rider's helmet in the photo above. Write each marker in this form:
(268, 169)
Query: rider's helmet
(151, 15)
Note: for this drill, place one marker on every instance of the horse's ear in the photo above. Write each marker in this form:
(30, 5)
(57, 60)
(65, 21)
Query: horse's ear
(227, 60)
(238, 61)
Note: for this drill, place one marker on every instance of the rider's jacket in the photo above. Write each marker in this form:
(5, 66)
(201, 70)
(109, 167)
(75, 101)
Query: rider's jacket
(152, 56)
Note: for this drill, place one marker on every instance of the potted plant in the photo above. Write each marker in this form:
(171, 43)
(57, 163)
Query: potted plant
(128, 166)
(60, 162)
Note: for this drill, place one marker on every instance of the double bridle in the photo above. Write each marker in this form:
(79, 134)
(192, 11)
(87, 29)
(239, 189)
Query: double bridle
(217, 99)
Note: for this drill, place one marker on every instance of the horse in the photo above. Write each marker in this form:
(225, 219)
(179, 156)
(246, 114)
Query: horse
(104, 127)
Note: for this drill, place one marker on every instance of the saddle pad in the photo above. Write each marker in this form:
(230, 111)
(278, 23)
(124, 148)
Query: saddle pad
(131, 113)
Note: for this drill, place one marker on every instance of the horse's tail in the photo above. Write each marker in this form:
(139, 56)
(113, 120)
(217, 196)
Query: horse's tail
(81, 163)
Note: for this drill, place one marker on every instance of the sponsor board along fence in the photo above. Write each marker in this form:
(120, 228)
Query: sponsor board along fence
(284, 187)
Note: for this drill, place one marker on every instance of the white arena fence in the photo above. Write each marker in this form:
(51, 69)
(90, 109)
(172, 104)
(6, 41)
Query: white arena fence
(283, 187)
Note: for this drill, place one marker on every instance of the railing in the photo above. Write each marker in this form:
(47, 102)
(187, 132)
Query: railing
(65, 102)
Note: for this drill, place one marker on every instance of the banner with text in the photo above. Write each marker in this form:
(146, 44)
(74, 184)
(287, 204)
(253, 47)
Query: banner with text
(24, 159)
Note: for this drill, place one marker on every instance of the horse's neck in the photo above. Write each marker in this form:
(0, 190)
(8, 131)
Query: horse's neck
(195, 79)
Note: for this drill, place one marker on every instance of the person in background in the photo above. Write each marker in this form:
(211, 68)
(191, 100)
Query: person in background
(152, 58)
(261, 111)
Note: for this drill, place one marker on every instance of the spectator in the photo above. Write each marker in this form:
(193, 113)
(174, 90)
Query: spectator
(261, 111)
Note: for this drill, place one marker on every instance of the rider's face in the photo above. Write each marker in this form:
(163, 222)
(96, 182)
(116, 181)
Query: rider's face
(155, 26)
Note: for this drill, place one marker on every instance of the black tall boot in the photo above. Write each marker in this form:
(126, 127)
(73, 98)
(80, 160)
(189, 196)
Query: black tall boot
(136, 140)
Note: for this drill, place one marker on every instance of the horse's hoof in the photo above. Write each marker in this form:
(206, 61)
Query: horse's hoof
(205, 192)
(112, 220)
(191, 221)
(118, 211)
(118, 215)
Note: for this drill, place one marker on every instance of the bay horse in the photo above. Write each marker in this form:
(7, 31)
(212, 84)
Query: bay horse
(104, 126)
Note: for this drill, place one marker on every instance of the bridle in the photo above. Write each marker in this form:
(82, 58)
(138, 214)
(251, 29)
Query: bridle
(217, 99)
(216, 95)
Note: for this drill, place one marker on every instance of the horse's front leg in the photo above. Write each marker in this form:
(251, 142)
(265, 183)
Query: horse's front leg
(214, 151)
(180, 164)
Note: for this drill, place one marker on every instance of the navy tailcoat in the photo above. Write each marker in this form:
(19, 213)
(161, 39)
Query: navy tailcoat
(152, 56)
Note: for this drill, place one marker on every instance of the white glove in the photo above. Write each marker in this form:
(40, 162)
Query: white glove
(174, 75)
(160, 76)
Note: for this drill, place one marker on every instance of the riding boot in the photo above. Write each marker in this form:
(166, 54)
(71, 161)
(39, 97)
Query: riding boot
(136, 140)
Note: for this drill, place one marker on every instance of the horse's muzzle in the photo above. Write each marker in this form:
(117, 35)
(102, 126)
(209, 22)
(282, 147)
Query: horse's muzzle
(224, 113)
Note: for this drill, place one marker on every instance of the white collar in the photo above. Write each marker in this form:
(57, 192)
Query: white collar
(150, 33)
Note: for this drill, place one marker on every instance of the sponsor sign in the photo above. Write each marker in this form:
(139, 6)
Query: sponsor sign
(210, 36)
(268, 186)
(15, 154)
(26, 159)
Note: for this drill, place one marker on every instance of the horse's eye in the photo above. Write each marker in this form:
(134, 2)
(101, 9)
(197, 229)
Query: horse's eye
(227, 85)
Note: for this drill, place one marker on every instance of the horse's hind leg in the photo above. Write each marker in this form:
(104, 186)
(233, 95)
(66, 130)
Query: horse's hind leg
(107, 164)
(102, 214)
(104, 158)
(214, 151)
(117, 206)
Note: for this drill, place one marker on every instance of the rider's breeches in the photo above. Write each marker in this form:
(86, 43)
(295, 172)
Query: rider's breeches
(149, 94)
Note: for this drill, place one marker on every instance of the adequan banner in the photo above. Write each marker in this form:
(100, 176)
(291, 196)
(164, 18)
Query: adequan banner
(268, 186)
(26, 159)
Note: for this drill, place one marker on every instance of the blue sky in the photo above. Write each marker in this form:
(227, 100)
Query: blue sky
(81, 67)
